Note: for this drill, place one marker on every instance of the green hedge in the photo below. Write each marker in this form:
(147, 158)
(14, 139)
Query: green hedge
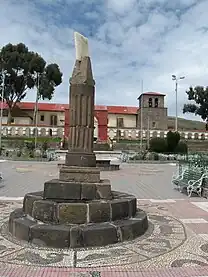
(39, 139)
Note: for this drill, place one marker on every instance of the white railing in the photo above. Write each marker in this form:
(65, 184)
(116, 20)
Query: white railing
(135, 134)
(30, 130)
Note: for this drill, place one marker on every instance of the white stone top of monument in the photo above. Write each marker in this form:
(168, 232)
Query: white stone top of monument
(81, 46)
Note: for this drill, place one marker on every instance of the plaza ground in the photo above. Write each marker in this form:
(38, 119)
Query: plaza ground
(176, 243)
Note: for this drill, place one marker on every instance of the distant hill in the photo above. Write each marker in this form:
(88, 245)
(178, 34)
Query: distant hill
(185, 124)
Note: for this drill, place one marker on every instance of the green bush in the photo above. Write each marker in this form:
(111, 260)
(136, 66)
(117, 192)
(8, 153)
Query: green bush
(158, 145)
(45, 145)
(181, 148)
(156, 157)
(173, 139)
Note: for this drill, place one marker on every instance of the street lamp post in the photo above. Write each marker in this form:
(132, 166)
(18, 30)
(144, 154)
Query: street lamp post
(141, 119)
(176, 79)
(2, 107)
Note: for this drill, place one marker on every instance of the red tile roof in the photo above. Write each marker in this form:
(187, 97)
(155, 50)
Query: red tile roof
(122, 109)
(63, 107)
(41, 106)
(100, 108)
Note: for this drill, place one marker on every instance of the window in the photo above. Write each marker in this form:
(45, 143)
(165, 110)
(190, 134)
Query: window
(120, 122)
(150, 102)
(153, 124)
(156, 102)
(53, 121)
(12, 120)
(42, 118)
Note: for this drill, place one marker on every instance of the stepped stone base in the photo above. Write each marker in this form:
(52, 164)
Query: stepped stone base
(79, 174)
(61, 190)
(59, 212)
(77, 210)
(26, 228)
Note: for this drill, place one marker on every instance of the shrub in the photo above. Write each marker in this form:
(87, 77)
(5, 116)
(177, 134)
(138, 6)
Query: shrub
(19, 153)
(158, 145)
(45, 145)
(156, 156)
(173, 139)
(181, 148)
(65, 144)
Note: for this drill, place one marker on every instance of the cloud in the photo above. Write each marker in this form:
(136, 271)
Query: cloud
(130, 41)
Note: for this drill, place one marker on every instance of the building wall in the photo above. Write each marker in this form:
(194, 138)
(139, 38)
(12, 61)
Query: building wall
(157, 118)
(129, 120)
(102, 118)
(152, 117)
(47, 117)
(18, 120)
(144, 100)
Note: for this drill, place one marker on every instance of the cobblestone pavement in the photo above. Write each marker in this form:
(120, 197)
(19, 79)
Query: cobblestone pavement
(176, 243)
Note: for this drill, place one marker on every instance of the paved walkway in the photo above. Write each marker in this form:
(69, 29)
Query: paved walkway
(176, 243)
(145, 181)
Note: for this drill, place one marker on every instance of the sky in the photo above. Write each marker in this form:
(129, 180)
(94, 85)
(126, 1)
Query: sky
(129, 41)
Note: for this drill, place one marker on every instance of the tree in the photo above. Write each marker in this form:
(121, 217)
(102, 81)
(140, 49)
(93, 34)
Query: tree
(173, 139)
(158, 145)
(199, 95)
(181, 148)
(23, 70)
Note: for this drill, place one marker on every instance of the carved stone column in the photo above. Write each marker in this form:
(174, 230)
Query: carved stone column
(81, 126)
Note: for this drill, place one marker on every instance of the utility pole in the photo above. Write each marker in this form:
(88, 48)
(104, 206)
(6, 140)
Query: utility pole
(148, 132)
(2, 106)
(141, 118)
(35, 116)
(176, 79)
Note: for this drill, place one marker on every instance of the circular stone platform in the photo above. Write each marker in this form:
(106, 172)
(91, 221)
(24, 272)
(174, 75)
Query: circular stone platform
(164, 235)
(73, 224)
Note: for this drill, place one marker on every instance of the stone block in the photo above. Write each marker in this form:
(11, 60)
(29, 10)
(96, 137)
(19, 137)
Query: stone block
(99, 235)
(103, 190)
(18, 213)
(132, 206)
(120, 209)
(132, 228)
(29, 200)
(80, 159)
(56, 189)
(72, 213)
(21, 228)
(79, 174)
(76, 239)
(88, 191)
(43, 210)
(56, 236)
(99, 212)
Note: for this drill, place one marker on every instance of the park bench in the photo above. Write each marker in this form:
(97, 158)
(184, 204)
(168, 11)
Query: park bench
(196, 186)
(204, 191)
(189, 174)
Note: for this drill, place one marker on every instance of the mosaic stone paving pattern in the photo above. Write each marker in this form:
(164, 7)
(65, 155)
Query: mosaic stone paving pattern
(169, 242)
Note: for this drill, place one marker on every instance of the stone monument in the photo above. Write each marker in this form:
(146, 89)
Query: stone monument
(78, 209)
